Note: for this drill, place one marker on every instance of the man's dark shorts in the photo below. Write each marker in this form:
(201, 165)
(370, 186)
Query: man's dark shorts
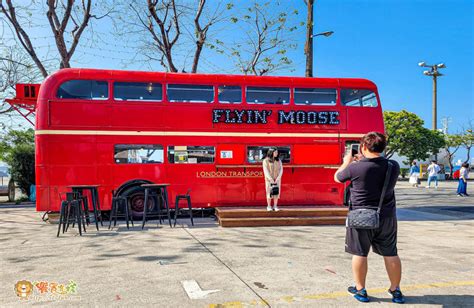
(383, 239)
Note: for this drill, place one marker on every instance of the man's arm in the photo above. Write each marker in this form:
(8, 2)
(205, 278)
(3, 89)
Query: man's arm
(348, 159)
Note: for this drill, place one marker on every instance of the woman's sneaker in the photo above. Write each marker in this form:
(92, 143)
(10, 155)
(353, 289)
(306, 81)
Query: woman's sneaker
(397, 296)
(269, 209)
(360, 295)
(276, 209)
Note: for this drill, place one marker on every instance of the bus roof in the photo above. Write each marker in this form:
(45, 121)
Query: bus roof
(83, 73)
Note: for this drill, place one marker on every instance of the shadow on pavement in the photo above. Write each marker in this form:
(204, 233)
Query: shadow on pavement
(435, 213)
(443, 300)
(24, 205)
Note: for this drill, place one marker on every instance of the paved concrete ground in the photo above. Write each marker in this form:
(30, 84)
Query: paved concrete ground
(275, 266)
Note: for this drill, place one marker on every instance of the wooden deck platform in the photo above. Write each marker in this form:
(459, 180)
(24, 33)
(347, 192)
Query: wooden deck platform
(287, 216)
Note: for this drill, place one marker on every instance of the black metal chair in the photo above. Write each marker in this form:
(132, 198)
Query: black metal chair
(120, 204)
(186, 197)
(71, 212)
(160, 195)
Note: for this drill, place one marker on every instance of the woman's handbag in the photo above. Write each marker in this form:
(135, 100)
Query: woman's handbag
(274, 190)
(366, 218)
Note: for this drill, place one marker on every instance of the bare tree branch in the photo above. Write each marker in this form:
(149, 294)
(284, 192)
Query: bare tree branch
(22, 35)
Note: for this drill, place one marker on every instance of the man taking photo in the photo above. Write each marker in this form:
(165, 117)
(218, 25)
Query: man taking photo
(366, 172)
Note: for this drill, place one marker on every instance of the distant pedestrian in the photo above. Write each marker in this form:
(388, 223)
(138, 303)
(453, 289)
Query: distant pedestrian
(463, 175)
(273, 170)
(414, 174)
(433, 170)
(367, 174)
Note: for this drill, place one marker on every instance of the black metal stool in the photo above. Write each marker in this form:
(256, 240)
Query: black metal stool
(157, 191)
(79, 189)
(186, 197)
(71, 206)
(118, 201)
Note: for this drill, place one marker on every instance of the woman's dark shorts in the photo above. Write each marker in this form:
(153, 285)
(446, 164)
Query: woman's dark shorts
(383, 239)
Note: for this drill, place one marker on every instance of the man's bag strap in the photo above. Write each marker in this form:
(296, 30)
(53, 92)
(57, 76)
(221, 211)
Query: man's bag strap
(385, 185)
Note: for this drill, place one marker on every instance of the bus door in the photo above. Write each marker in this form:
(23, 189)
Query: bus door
(313, 173)
(233, 184)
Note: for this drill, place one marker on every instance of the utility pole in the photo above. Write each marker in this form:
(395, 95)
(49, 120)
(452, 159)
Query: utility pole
(445, 122)
(308, 48)
(433, 72)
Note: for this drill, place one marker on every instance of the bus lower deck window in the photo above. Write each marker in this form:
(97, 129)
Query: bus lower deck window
(138, 91)
(267, 95)
(358, 98)
(83, 89)
(256, 154)
(313, 96)
(191, 154)
(138, 153)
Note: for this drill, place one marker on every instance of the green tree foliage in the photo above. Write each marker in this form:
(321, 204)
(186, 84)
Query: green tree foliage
(451, 146)
(407, 136)
(18, 151)
(468, 141)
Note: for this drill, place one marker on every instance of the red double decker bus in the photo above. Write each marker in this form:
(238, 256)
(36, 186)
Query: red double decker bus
(209, 133)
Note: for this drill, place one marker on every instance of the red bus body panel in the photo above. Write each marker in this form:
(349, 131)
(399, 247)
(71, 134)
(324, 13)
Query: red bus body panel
(75, 141)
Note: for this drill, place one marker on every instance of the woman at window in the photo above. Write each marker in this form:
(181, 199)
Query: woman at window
(272, 170)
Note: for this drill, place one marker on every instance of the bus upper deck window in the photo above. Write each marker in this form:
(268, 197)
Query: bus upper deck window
(84, 89)
(312, 96)
(229, 94)
(187, 93)
(358, 97)
(138, 91)
(267, 95)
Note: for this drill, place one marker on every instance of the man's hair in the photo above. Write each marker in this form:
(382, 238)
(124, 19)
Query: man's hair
(374, 141)
(433, 161)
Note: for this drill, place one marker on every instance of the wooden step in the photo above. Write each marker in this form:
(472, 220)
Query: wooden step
(285, 211)
(281, 221)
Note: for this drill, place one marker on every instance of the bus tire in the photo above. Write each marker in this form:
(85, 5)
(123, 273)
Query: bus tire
(11, 191)
(135, 196)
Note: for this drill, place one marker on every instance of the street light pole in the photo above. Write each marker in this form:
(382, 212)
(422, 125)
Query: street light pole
(309, 51)
(433, 72)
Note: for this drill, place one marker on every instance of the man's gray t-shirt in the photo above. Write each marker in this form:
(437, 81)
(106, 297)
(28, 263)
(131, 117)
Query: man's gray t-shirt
(367, 177)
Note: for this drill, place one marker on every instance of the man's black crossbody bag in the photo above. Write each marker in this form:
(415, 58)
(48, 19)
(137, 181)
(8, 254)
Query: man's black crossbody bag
(367, 218)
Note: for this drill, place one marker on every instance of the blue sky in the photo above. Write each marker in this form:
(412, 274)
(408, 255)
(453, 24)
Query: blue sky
(382, 40)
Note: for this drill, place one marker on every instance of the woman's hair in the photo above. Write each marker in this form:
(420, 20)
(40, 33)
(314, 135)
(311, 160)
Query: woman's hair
(270, 154)
(465, 165)
(414, 163)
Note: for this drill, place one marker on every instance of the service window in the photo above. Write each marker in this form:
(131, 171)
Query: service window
(138, 91)
(191, 154)
(256, 154)
(312, 96)
(186, 93)
(138, 154)
(229, 94)
(358, 98)
(84, 89)
(266, 95)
